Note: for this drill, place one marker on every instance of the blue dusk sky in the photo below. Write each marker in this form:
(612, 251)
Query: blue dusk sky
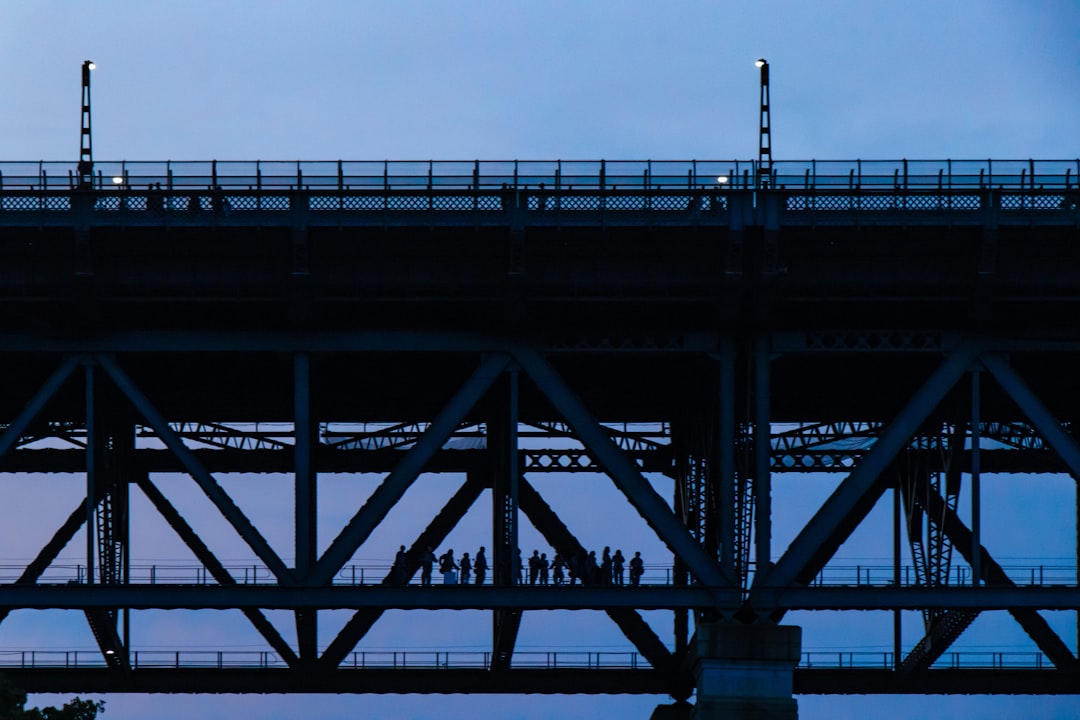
(499, 80)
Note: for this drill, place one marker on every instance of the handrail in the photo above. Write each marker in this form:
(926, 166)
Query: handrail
(464, 659)
(557, 175)
(373, 573)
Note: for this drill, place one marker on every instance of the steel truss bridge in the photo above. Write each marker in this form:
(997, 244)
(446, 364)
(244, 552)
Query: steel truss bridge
(898, 324)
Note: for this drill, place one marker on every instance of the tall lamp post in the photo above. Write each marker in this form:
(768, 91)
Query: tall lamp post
(764, 173)
(85, 168)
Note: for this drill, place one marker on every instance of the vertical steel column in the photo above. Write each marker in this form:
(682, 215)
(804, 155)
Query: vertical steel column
(765, 130)
(116, 437)
(305, 501)
(896, 573)
(726, 458)
(503, 443)
(91, 473)
(513, 471)
(85, 168)
(686, 507)
(762, 452)
(306, 478)
(976, 489)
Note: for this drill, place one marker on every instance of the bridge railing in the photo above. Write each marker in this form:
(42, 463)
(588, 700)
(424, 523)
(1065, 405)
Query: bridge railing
(457, 659)
(960, 575)
(553, 175)
(366, 659)
(357, 574)
(957, 660)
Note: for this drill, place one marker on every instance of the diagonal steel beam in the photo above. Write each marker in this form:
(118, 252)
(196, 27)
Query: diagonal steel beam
(559, 537)
(52, 549)
(102, 624)
(213, 565)
(405, 473)
(945, 630)
(10, 437)
(992, 574)
(626, 475)
(856, 495)
(1060, 441)
(432, 536)
(505, 632)
(202, 477)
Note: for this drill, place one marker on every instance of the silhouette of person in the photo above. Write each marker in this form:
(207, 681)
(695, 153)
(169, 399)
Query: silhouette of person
(617, 562)
(605, 567)
(637, 569)
(557, 566)
(480, 566)
(520, 568)
(466, 568)
(592, 570)
(543, 565)
(398, 572)
(427, 561)
(506, 197)
(534, 567)
(541, 198)
(155, 201)
(573, 568)
(447, 566)
(219, 202)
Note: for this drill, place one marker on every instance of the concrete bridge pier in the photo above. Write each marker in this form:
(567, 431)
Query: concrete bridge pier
(745, 672)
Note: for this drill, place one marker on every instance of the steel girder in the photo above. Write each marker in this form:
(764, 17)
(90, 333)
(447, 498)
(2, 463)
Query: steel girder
(614, 451)
(432, 536)
(827, 681)
(848, 505)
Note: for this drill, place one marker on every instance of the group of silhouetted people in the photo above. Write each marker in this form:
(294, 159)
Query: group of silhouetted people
(469, 568)
(581, 567)
(559, 570)
(157, 201)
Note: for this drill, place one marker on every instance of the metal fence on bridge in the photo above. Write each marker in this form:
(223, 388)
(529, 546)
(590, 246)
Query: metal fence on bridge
(838, 575)
(553, 174)
(464, 659)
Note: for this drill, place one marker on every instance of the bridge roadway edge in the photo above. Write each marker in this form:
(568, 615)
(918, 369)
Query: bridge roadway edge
(610, 299)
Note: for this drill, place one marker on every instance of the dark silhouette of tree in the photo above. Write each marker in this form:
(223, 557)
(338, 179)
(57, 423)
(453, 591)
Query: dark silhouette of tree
(13, 707)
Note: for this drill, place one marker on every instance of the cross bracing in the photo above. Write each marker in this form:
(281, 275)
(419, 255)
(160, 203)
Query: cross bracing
(691, 351)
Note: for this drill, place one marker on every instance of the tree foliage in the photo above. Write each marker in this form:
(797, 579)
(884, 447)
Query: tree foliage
(13, 707)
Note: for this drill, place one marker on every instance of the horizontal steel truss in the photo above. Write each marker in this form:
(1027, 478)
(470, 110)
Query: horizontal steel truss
(256, 452)
(776, 589)
(386, 597)
(712, 205)
(827, 681)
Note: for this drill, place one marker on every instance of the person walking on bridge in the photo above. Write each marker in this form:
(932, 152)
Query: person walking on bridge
(427, 561)
(466, 568)
(447, 567)
(637, 569)
(480, 566)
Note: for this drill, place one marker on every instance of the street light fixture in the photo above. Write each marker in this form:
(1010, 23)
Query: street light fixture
(764, 138)
(85, 168)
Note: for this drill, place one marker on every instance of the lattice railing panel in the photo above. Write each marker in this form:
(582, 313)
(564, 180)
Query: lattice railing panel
(873, 341)
(883, 202)
(30, 203)
(1040, 201)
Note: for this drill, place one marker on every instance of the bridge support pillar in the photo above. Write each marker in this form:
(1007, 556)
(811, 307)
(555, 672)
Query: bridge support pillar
(746, 672)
